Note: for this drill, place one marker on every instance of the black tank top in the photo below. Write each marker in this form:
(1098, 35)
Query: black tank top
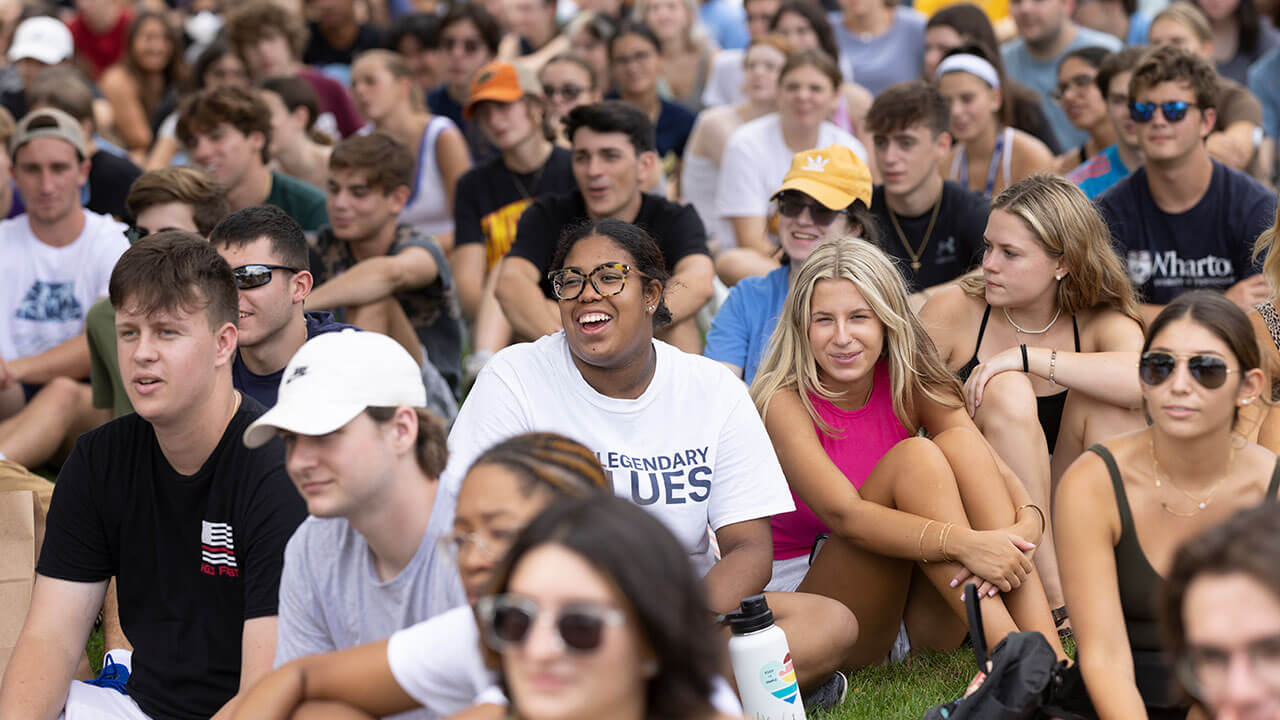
(1140, 591)
(1048, 407)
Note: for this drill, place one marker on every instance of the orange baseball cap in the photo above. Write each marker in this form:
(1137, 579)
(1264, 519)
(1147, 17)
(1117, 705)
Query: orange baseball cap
(833, 176)
(502, 82)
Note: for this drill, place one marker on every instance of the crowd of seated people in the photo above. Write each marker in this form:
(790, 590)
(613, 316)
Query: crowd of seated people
(341, 340)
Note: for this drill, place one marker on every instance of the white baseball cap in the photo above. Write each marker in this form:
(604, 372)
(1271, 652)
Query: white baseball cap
(333, 378)
(41, 38)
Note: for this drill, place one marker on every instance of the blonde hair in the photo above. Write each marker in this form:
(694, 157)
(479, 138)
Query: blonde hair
(1266, 245)
(914, 363)
(1188, 16)
(1068, 226)
(395, 64)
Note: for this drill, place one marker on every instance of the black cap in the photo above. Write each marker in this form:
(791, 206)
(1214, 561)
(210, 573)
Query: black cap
(753, 615)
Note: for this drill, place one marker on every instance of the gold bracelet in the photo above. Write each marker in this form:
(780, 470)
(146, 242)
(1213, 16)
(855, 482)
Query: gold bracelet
(1053, 365)
(946, 532)
(1039, 512)
(920, 545)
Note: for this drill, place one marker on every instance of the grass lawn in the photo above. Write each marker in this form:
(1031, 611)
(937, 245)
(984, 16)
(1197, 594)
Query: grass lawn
(905, 691)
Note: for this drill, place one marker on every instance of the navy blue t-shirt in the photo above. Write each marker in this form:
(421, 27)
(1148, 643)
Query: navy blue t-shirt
(440, 102)
(1205, 248)
(263, 388)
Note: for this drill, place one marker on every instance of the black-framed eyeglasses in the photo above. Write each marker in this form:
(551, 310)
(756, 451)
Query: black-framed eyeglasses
(1210, 371)
(1174, 110)
(607, 279)
(569, 92)
(790, 206)
(248, 277)
(508, 619)
(1205, 670)
(1076, 82)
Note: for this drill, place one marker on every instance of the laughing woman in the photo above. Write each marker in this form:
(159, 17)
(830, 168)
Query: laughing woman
(1124, 507)
(849, 379)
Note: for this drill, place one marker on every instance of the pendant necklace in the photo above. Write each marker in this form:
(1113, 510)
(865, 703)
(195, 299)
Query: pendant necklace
(1201, 503)
(915, 255)
(1024, 331)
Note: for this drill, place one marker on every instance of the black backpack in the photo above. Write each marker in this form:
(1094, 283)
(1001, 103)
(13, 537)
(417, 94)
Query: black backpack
(1024, 683)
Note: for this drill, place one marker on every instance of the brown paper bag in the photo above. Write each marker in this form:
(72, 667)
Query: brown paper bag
(21, 532)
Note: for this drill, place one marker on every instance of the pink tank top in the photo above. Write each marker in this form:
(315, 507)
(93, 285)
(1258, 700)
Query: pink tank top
(863, 436)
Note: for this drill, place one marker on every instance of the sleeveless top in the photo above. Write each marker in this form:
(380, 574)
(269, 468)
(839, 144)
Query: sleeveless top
(428, 208)
(862, 437)
(1048, 407)
(1001, 160)
(1140, 591)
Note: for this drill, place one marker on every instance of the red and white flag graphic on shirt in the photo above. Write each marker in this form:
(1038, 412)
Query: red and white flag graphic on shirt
(217, 546)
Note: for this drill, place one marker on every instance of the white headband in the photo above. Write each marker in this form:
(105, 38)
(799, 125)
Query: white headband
(971, 64)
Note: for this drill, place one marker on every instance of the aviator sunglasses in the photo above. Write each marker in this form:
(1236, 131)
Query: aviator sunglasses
(508, 619)
(1174, 111)
(1208, 370)
(248, 277)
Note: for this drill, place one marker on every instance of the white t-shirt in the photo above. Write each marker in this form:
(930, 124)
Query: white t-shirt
(47, 290)
(691, 449)
(756, 159)
(724, 82)
(438, 663)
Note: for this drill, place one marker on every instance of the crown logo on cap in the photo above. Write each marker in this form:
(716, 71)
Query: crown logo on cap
(816, 163)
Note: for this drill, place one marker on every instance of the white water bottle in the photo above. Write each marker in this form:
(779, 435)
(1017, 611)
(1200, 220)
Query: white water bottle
(762, 663)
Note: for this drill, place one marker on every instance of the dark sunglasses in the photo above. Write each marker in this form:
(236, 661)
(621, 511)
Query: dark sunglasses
(1174, 111)
(508, 619)
(133, 233)
(568, 92)
(248, 277)
(469, 45)
(1208, 370)
(791, 206)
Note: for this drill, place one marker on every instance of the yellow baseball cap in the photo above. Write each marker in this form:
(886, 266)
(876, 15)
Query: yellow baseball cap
(503, 82)
(832, 175)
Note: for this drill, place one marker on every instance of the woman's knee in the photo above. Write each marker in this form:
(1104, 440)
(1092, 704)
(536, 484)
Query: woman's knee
(1009, 400)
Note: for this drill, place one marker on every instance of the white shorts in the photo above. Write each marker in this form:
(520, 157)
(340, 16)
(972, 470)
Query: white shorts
(788, 573)
(90, 702)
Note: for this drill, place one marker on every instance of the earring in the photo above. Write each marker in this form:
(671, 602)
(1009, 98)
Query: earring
(1058, 278)
(652, 308)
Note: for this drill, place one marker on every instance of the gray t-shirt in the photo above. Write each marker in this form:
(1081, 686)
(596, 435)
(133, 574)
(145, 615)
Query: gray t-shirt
(331, 597)
(894, 57)
(1042, 76)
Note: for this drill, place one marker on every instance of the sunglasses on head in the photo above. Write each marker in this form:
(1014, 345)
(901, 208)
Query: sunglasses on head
(791, 206)
(1174, 111)
(248, 277)
(1210, 371)
(508, 619)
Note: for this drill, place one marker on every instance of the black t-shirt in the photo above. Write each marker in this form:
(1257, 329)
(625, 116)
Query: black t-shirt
(194, 556)
(677, 228)
(490, 199)
(265, 388)
(110, 177)
(320, 53)
(954, 245)
(1206, 247)
(432, 310)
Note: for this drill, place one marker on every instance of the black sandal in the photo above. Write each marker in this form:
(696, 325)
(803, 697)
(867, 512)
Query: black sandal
(1059, 619)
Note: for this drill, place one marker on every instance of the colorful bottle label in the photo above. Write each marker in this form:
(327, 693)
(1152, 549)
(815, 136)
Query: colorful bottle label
(779, 679)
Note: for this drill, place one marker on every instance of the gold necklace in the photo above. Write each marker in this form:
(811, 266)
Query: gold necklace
(915, 255)
(1201, 503)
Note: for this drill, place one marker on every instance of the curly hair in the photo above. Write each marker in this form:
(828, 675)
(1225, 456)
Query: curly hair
(238, 107)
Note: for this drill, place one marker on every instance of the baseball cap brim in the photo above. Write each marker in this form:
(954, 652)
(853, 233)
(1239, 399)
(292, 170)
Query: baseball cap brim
(829, 197)
(300, 418)
(46, 54)
(499, 94)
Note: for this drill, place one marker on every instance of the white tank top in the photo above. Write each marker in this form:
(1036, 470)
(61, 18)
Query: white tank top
(428, 208)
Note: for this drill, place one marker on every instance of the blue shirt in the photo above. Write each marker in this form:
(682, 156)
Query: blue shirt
(727, 22)
(893, 57)
(263, 388)
(1042, 76)
(1099, 172)
(741, 329)
(1264, 82)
